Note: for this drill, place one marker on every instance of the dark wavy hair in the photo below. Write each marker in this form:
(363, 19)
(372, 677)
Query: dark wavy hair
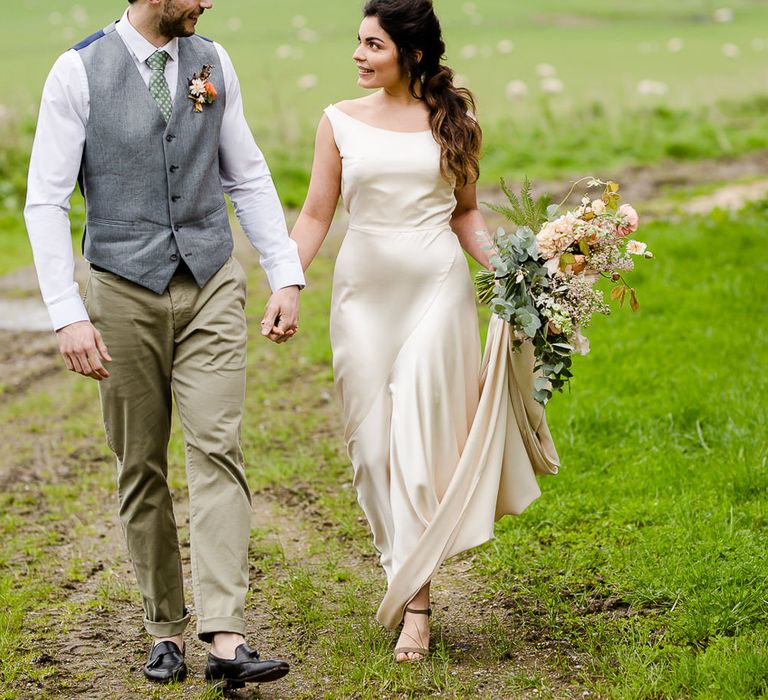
(414, 27)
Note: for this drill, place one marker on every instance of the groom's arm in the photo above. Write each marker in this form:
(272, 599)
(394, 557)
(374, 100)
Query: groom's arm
(248, 181)
(53, 168)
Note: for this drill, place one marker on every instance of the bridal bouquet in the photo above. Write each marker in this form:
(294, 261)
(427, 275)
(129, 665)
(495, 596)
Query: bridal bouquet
(543, 283)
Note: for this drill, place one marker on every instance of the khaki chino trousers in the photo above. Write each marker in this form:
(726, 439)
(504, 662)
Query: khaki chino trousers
(189, 343)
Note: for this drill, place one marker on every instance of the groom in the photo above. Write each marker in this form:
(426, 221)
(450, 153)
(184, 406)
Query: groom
(148, 118)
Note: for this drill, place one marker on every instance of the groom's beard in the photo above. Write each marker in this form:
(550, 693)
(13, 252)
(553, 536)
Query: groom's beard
(177, 24)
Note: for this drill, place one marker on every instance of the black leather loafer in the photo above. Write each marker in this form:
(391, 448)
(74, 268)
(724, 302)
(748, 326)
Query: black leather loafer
(246, 667)
(165, 663)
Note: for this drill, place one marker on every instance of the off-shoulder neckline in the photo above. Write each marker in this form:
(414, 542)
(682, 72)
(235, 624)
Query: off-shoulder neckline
(378, 128)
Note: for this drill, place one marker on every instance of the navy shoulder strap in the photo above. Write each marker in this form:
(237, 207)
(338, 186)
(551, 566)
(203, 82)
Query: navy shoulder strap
(95, 37)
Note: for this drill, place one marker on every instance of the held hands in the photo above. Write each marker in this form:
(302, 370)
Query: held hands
(281, 316)
(83, 350)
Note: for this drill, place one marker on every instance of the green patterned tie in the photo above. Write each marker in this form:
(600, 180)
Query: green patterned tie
(158, 86)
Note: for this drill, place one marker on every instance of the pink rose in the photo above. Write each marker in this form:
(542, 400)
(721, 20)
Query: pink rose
(631, 219)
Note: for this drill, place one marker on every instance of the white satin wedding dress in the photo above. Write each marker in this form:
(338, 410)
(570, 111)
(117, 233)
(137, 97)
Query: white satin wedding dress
(440, 447)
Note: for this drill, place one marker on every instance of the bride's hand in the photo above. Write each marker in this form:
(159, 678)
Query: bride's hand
(281, 315)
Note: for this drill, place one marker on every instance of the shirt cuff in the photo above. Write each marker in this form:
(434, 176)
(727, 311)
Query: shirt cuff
(67, 311)
(286, 275)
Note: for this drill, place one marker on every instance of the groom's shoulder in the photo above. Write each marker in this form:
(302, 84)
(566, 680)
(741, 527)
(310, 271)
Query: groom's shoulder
(93, 38)
(200, 43)
(204, 38)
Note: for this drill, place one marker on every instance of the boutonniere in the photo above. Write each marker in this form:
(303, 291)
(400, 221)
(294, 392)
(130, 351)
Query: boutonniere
(201, 89)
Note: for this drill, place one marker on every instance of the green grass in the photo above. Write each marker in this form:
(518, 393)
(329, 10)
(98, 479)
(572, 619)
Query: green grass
(600, 50)
(644, 559)
(588, 140)
(661, 506)
(646, 555)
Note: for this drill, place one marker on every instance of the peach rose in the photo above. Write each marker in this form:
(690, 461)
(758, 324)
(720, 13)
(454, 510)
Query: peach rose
(210, 91)
(632, 219)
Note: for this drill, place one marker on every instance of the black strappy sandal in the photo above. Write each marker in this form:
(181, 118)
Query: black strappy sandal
(413, 650)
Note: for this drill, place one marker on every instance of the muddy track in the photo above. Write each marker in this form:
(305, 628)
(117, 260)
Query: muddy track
(98, 644)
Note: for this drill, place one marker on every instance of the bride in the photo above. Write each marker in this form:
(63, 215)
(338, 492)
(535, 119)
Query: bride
(439, 449)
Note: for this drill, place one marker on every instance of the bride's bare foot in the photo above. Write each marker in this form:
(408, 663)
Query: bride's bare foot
(413, 643)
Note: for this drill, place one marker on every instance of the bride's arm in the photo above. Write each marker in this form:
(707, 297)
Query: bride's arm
(316, 216)
(469, 226)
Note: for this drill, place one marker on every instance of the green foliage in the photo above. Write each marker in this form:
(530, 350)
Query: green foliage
(645, 558)
(15, 146)
(589, 139)
(516, 283)
(524, 211)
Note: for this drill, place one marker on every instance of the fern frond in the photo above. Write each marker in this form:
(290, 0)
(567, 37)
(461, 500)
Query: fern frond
(506, 212)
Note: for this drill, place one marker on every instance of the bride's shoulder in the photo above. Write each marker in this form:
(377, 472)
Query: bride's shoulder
(354, 108)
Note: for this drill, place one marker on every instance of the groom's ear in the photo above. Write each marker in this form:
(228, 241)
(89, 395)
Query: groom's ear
(418, 54)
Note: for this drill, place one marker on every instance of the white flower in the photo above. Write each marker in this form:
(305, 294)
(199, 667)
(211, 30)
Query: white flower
(675, 45)
(197, 87)
(552, 265)
(724, 14)
(308, 35)
(545, 70)
(460, 80)
(299, 21)
(598, 206)
(636, 247)
(516, 89)
(552, 86)
(505, 46)
(730, 50)
(652, 88)
(580, 343)
(79, 15)
(469, 51)
(307, 82)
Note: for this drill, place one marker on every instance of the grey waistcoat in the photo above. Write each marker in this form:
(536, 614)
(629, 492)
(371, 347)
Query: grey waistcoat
(152, 190)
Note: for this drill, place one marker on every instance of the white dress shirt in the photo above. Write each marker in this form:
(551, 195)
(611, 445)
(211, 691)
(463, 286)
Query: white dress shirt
(55, 164)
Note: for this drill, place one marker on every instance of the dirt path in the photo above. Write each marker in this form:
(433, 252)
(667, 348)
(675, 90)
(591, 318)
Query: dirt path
(99, 626)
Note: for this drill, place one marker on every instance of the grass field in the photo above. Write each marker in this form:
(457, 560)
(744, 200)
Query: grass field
(713, 76)
(641, 572)
(600, 49)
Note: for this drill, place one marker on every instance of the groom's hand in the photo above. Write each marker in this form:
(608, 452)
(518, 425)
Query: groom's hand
(281, 316)
(83, 350)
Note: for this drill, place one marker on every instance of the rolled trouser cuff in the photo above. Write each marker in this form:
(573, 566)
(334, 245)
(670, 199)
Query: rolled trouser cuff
(167, 629)
(209, 626)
